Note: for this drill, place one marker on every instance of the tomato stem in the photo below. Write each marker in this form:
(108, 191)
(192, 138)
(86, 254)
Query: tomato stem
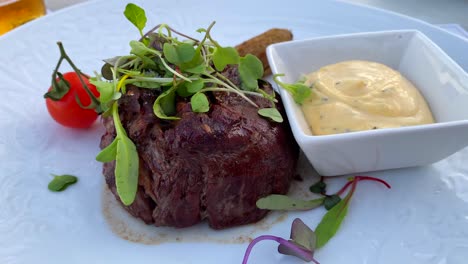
(95, 104)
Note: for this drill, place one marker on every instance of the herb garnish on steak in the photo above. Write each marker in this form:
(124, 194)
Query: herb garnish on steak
(184, 138)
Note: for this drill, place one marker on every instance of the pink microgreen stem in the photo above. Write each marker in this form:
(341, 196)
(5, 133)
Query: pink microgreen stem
(305, 254)
(369, 178)
(362, 178)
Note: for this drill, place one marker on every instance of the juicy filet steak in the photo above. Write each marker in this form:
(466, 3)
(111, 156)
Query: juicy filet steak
(211, 166)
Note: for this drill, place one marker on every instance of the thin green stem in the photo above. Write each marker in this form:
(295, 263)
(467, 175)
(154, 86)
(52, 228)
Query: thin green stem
(224, 78)
(240, 93)
(63, 56)
(117, 123)
(173, 71)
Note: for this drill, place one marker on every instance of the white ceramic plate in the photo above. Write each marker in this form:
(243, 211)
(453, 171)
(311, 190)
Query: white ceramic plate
(423, 219)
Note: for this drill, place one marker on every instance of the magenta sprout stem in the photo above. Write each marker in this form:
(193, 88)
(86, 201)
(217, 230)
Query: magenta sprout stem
(303, 253)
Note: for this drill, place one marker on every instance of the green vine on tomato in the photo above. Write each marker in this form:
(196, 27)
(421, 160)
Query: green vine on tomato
(72, 100)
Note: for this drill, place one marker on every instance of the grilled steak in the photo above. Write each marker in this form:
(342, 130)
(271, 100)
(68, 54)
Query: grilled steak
(211, 166)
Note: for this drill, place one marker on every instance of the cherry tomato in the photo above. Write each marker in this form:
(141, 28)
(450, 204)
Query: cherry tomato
(67, 111)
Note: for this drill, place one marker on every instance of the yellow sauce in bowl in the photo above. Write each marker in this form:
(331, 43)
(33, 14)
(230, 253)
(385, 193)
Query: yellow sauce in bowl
(362, 95)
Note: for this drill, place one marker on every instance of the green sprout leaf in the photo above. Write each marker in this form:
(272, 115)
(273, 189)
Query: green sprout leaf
(283, 202)
(225, 56)
(318, 187)
(195, 86)
(126, 170)
(331, 221)
(196, 65)
(61, 182)
(299, 91)
(331, 201)
(168, 103)
(136, 15)
(138, 48)
(158, 108)
(182, 90)
(200, 103)
(126, 162)
(106, 90)
(109, 153)
(302, 236)
(199, 69)
(178, 54)
(250, 70)
(271, 113)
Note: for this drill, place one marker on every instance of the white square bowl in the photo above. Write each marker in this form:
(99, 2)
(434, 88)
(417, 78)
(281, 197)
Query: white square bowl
(440, 80)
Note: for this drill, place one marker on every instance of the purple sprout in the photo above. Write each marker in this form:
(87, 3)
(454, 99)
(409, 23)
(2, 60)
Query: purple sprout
(297, 247)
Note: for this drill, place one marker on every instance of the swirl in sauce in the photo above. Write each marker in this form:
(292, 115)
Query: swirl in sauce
(362, 95)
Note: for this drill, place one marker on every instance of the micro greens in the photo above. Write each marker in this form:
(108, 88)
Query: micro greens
(61, 182)
(225, 56)
(330, 201)
(283, 202)
(61, 86)
(188, 68)
(301, 245)
(319, 187)
(124, 152)
(271, 113)
(299, 91)
(200, 103)
(136, 15)
(250, 70)
(305, 241)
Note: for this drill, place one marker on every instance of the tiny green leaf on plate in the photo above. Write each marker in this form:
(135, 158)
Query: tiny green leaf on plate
(331, 201)
(126, 170)
(200, 103)
(331, 221)
(136, 15)
(250, 70)
(318, 187)
(271, 113)
(283, 202)
(302, 236)
(225, 56)
(61, 182)
(109, 153)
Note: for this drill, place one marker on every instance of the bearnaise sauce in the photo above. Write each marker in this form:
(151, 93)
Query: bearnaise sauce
(362, 95)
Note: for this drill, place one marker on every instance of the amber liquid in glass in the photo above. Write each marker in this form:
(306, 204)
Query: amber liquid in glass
(14, 13)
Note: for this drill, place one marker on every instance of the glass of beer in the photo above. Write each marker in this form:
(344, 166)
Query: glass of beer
(14, 13)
